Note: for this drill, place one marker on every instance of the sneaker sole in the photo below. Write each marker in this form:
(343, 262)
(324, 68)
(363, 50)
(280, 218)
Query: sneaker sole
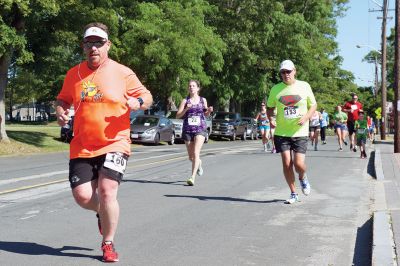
(190, 182)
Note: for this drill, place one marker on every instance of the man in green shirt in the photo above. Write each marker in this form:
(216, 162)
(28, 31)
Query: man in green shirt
(361, 127)
(295, 103)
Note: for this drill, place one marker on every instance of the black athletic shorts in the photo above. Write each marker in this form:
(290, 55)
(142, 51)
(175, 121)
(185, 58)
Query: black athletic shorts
(296, 144)
(190, 136)
(83, 170)
(350, 127)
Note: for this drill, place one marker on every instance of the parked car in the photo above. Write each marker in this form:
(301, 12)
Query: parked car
(228, 124)
(252, 128)
(67, 131)
(178, 124)
(152, 129)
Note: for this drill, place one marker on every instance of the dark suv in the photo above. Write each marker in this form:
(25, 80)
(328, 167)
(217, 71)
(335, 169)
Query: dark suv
(227, 124)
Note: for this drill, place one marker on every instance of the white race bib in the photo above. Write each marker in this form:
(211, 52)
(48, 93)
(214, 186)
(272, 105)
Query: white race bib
(194, 121)
(360, 131)
(291, 112)
(116, 162)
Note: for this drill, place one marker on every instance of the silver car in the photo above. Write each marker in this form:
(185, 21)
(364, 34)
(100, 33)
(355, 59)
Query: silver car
(152, 129)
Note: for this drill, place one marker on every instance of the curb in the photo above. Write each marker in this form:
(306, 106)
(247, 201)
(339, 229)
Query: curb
(383, 247)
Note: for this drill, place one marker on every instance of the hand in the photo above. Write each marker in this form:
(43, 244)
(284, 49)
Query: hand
(133, 103)
(188, 106)
(302, 121)
(63, 118)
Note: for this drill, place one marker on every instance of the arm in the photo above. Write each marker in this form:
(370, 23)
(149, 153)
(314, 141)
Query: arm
(308, 115)
(183, 107)
(62, 112)
(209, 109)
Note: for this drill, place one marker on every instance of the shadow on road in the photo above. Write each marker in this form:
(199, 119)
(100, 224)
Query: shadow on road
(29, 248)
(363, 246)
(224, 198)
(175, 183)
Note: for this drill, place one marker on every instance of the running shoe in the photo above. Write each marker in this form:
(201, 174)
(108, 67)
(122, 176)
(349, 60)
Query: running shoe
(265, 147)
(99, 223)
(340, 149)
(273, 150)
(365, 154)
(293, 198)
(200, 170)
(190, 181)
(315, 148)
(324, 142)
(345, 143)
(305, 186)
(355, 149)
(109, 253)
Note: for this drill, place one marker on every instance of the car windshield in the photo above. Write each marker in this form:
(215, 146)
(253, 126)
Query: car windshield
(146, 121)
(223, 116)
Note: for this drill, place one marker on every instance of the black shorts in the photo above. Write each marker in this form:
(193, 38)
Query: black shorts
(350, 127)
(313, 129)
(186, 136)
(296, 144)
(83, 170)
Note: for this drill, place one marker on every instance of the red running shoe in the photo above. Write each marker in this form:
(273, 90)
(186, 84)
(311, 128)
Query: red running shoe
(99, 223)
(109, 253)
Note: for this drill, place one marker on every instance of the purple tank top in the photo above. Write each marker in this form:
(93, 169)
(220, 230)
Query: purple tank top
(194, 120)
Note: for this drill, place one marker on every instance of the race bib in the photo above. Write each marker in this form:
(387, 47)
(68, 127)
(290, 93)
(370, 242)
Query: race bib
(354, 107)
(194, 121)
(291, 112)
(361, 131)
(115, 161)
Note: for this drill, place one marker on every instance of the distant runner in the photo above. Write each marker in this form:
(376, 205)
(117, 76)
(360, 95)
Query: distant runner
(264, 126)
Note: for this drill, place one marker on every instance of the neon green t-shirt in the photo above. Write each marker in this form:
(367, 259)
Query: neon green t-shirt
(361, 127)
(291, 103)
(340, 118)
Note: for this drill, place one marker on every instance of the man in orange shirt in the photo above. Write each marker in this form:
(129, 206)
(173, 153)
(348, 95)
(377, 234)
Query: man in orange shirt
(102, 92)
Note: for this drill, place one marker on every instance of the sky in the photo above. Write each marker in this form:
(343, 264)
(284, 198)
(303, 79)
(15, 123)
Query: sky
(361, 27)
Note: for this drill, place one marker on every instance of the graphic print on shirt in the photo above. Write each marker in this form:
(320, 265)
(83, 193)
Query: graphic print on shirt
(291, 110)
(90, 92)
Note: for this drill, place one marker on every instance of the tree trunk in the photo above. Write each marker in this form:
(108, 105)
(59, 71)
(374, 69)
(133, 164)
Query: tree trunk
(5, 61)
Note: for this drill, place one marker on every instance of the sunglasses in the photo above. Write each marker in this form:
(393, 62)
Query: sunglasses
(284, 72)
(97, 44)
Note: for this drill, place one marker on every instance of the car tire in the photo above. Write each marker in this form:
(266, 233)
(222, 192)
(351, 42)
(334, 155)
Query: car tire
(244, 136)
(233, 137)
(157, 139)
(207, 137)
(172, 141)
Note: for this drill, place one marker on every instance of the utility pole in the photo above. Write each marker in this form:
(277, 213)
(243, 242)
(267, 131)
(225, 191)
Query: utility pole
(397, 81)
(383, 69)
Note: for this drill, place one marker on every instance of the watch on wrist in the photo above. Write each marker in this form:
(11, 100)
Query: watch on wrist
(140, 100)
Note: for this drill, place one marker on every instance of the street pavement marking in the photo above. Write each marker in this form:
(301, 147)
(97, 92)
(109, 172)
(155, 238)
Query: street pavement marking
(229, 149)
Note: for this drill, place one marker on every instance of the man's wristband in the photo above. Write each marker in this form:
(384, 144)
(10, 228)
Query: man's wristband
(140, 100)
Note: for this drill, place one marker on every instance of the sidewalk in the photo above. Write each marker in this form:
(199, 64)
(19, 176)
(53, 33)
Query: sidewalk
(386, 228)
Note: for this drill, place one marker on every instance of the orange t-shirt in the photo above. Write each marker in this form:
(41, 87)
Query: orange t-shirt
(101, 122)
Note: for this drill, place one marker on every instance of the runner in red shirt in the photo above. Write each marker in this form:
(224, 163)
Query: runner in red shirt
(352, 108)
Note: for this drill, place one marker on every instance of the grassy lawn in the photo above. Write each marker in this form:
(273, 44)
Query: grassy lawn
(32, 139)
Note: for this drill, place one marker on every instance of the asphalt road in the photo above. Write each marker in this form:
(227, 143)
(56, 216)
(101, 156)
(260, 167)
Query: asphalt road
(234, 215)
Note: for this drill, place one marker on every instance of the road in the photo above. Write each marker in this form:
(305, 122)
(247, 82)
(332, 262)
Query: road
(234, 215)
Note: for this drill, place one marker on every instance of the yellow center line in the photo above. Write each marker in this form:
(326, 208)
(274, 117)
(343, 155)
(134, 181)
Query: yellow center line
(66, 180)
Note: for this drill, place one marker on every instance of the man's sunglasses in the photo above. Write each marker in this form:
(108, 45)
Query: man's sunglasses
(97, 44)
(284, 72)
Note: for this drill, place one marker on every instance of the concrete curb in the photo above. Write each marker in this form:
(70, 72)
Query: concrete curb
(383, 247)
(378, 165)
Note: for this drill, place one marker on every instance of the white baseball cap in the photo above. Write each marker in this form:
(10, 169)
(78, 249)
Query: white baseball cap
(287, 65)
(95, 31)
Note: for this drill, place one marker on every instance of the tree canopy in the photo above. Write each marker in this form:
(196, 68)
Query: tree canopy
(233, 47)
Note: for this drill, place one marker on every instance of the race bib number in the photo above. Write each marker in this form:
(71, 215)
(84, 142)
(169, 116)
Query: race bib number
(194, 121)
(291, 112)
(354, 107)
(360, 131)
(116, 162)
